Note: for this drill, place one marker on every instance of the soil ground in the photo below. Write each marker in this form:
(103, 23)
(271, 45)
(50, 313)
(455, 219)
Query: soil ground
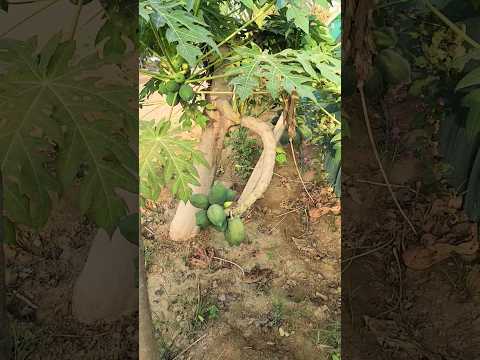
(41, 270)
(277, 296)
(391, 311)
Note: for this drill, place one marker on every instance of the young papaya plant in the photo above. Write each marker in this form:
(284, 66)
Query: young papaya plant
(243, 63)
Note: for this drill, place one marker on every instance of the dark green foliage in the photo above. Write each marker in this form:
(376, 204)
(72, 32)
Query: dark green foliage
(394, 67)
(245, 152)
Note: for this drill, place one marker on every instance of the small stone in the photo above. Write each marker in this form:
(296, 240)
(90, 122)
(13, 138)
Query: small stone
(222, 297)
(281, 332)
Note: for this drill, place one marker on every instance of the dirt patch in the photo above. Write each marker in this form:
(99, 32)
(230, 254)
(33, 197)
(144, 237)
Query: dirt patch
(41, 271)
(275, 297)
(390, 310)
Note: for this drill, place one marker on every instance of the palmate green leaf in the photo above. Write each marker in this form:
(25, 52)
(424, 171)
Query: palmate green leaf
(285, 71)
(183, 29)
(46, 98)
(299, 13)
(167, 160)
(471, 79)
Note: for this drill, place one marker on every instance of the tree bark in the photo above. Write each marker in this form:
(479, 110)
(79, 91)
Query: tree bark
(183, 226)
(259, 167)
(147, 348)
(248, 198)
(262, 173)
(5, 336)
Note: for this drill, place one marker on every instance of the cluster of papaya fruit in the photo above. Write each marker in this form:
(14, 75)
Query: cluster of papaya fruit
(212, 213)
(175, 88)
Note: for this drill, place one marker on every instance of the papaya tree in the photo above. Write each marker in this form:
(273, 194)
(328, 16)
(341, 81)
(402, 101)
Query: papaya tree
(242, 63)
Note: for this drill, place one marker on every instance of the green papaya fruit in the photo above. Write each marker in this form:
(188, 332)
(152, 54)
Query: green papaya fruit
(186, 92)
(179, 78)
(201, 219)
(394, 67)
(162, 88)
(217, 194)
(235, 233)
(221, 228)
(200, 201)
(230, 195)
(172, 98)
(384, 39)
(172, 86)
(216, 215)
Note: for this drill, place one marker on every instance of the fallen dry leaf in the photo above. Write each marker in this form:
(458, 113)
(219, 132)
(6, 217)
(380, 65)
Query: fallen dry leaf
(424, 257)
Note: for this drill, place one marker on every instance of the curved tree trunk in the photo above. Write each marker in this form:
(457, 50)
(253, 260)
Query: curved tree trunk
(147, 348)
(262, 173)
(259, 167)
(107, 287)
(265, 130)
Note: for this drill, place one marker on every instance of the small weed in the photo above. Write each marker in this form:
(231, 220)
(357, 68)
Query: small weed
(270, 255)
(149, 253)
(278, 313)
(246, 152)
(204, 312)
(331, 337)
(25, 340)
(281, 156)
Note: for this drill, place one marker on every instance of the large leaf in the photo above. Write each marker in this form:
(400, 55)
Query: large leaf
(183, 29)
(472, 78)
(285, 71)
(167, 160)
(48, 100)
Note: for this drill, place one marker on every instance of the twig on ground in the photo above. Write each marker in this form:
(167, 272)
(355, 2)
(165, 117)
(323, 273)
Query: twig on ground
(230, 262)
(190, 346)
(369, 252)
(379, 161)
(288, 212)
(298, 171)
(25, 299)
(383, 184)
